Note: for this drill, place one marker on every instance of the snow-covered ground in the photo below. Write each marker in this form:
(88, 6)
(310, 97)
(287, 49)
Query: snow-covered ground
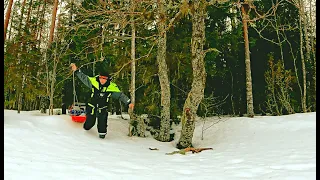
(54, 147)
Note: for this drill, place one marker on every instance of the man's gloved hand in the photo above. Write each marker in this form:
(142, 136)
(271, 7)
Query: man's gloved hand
(131, 106)
(130, 111)
(73, 66)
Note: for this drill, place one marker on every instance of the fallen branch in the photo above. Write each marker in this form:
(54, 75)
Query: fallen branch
(184, 151)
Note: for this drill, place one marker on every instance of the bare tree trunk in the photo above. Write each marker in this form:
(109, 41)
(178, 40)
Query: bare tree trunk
(164, 134)
(278, 37)
(313, 59)
(306, 36)
(101, 49)
(245, 18)
(50, 92)
(231, 97)
(304, 96)
(21, 94)
(294, 64)
(34, 28)
(196, 93)
(140, 127)
(133, 63)
(23, 47)
(273, 88)
(47, 72)
(27, 24)
(133, 72)
(54, 70)
(53, 80)
(11, 22)
(6, 22)
(53, 21)
(39, 32)
(276, 27)
(20, 89)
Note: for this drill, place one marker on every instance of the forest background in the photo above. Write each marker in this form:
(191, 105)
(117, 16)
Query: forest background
(177, 60)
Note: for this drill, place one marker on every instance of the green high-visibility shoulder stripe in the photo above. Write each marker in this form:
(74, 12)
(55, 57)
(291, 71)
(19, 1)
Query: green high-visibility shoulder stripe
(113, 88)
(94, 82)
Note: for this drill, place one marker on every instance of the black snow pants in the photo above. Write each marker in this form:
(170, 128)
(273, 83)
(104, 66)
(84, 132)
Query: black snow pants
(93, 113)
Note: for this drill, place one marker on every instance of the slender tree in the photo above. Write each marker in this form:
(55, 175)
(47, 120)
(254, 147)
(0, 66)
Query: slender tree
(302, 55)
(313, 59)
(307, 34)
(133, 64)
(53, 21)
(6, 22)
(245, 17)
(20, 89)
(52, 75)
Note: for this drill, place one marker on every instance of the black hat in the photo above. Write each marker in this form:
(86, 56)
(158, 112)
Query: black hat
(104, 73)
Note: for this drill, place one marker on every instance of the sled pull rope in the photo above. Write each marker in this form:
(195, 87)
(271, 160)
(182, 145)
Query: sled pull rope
(75, 98)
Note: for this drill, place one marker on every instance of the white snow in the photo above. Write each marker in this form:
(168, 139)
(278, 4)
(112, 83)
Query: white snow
(54, 147)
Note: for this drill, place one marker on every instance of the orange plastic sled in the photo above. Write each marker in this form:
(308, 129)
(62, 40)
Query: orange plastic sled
(79, 119)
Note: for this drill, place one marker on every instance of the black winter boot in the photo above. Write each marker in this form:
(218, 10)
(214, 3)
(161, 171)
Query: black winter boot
(102, 136)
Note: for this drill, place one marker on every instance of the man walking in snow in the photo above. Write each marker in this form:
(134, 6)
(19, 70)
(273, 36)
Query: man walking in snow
(102, 89)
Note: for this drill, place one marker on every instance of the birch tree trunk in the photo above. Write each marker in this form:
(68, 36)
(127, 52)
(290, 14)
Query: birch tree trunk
(245, 19)
(294, 64)
(164, 134)
(196, 93)
(304, 79)
(313, 59)
(140, 127)
(276, 27)
(6, 22)
(307, 42)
